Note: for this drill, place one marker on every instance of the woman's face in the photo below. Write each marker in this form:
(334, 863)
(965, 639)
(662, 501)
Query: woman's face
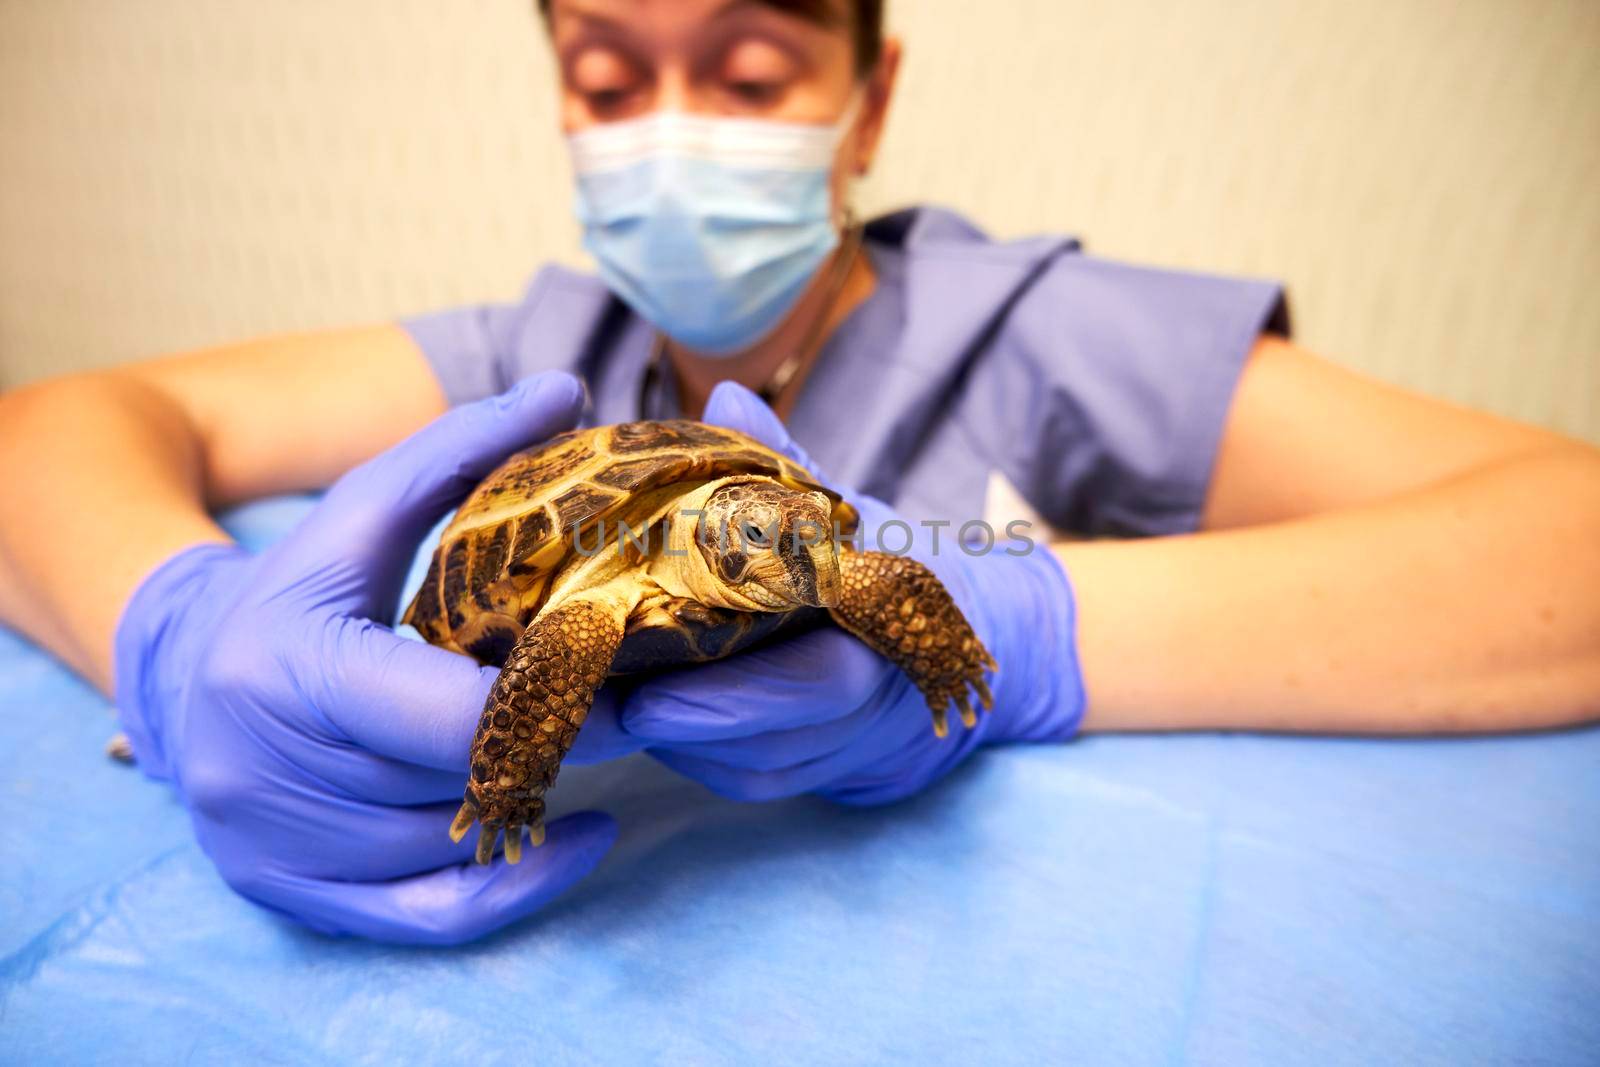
(623, 59)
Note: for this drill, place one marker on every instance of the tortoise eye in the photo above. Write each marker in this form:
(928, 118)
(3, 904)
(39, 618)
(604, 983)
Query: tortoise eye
(753, 535)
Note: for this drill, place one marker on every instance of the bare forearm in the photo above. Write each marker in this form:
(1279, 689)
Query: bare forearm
(103, 480)
(106, 475)
(1472, 605)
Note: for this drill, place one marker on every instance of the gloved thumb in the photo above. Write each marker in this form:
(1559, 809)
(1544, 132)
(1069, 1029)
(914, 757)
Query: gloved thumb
(372, 519)
(737, 408)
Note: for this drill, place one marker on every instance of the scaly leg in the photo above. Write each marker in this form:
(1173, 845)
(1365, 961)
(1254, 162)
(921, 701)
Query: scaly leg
(901, 610)
(532, 717)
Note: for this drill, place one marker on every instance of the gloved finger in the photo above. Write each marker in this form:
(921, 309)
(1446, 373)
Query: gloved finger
(893, 728)
(810, 678)
(891, 761)
(364, 775)
(451, 905)
(345, 838)
(401, 699)
(756, 786)
(361, 536)
(734, 783)
(420, 705)
(737, 408)
(777, 750)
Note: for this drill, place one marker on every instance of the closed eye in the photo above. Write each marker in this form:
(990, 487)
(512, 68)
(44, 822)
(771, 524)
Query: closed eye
(755, 94)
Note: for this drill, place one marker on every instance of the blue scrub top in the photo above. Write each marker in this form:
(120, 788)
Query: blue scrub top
(1098, 390)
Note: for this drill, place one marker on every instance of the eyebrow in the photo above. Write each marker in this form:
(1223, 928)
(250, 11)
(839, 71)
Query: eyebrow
(580, 9)
(827, 13)
(620, 33)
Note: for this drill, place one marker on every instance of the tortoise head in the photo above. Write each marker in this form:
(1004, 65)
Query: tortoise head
(771, 544)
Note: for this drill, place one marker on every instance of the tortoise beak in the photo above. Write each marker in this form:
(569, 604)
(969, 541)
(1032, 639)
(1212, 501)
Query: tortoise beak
(812, 570)
(826, 563)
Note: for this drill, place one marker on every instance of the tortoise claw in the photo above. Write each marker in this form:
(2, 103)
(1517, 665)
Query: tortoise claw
(486, 841)
(488, 836)
(465, 817)
(513, 845)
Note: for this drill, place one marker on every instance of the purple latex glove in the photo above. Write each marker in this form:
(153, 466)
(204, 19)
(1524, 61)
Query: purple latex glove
(822, 713)
(320, 755)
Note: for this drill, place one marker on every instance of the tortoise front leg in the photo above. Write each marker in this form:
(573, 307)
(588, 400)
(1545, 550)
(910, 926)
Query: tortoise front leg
(901, 610)
(532, 717)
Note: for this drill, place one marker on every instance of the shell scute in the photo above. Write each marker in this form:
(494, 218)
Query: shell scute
(631, 474)
(454, 589)
(582, 504)
(496, 557)
(533, 532)
(671, 433)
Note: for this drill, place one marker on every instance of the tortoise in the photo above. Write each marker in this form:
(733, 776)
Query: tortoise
(642, 545)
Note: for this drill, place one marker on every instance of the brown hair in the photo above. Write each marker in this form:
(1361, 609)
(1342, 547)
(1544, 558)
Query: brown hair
(866, 23)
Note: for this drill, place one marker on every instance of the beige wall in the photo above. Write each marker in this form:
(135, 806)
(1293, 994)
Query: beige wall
(1423, 173)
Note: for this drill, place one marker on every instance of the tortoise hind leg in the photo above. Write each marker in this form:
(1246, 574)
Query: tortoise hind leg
(532, 717)
(900, 609)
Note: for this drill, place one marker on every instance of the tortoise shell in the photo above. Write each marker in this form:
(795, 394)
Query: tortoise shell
(493, 568)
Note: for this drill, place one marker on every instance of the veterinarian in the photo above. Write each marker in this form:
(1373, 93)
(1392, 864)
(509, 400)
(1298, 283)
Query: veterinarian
(1262, 541)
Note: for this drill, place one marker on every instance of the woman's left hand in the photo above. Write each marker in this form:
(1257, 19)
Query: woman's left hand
(822, 713)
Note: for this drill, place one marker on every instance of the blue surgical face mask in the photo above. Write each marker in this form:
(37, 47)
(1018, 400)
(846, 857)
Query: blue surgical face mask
(710, 228)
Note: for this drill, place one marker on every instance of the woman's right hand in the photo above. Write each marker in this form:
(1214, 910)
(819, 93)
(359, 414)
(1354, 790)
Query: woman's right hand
(320, 755)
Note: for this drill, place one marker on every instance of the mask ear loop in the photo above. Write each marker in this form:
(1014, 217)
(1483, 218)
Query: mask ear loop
(846, 216)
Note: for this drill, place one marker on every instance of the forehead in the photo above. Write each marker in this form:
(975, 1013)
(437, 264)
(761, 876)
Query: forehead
(680, 14)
